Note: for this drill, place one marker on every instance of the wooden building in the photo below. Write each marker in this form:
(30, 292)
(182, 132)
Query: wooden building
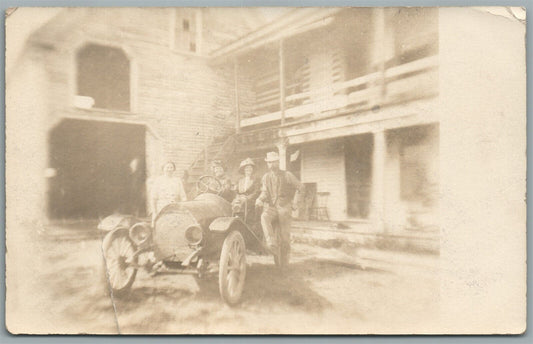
(95, 88)
(363, 104)
(349, 98)
(369, 105)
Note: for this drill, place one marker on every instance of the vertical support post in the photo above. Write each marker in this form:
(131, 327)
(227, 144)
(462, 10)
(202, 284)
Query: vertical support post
(378, 179)
(281, 81)
(206, 158)
(380, 47)
(282, 150)
(237, 107)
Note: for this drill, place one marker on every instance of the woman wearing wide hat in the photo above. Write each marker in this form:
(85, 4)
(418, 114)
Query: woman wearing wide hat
(248, 188)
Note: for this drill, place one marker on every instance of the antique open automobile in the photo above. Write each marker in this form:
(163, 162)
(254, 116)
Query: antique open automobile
(200, 237)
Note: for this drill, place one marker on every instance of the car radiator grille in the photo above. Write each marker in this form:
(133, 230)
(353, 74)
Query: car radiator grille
(169, 234)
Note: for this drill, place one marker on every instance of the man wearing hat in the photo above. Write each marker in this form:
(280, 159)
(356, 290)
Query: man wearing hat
(219, 171)
(277, 195)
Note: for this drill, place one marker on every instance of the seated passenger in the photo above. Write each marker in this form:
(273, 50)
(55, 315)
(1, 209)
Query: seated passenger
(248, 189)
(220, 174)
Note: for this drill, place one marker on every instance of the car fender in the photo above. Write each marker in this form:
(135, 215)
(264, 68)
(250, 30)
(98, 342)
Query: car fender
(115, 221)
(224, 224)
(109, 236)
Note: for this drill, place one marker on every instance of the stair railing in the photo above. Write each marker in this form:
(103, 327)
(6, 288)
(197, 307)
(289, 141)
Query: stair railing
(228, 145)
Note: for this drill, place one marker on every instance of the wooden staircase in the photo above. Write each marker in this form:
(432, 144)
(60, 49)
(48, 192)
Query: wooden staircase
(219, 148)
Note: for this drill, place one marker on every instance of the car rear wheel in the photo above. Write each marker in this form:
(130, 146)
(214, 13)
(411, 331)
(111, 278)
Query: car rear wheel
(232, 268)
(119, 259)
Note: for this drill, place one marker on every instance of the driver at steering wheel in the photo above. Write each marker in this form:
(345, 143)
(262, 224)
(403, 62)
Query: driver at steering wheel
(219, 171)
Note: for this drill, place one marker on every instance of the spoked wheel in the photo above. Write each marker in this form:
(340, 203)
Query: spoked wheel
(232, 268)
(118, 253)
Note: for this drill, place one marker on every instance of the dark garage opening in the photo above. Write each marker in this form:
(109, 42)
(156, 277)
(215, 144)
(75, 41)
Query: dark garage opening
(99, 169)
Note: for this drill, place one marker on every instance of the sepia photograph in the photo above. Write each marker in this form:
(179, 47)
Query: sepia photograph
(266, 170)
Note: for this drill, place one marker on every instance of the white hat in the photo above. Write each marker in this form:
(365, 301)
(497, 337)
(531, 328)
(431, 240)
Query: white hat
(272, 156)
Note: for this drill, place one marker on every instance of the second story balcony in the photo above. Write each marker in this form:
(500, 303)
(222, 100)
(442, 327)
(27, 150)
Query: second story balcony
(345, 61)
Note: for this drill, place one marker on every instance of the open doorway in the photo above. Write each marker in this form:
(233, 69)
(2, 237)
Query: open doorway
(99, 169)
(103, 74)
(358, 158)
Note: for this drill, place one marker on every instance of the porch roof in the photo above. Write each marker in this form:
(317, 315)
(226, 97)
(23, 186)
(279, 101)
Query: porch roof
(296, 21)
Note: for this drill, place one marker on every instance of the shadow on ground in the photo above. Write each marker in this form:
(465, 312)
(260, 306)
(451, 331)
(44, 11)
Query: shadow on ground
(266, 287)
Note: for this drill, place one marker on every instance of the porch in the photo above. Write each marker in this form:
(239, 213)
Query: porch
(339, 234)
(300, 75)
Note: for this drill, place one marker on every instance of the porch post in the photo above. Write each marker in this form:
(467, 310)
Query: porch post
(282, 150)
(379, 51)
(237, 107)
(378, 189)
(206, 157)
(281, 82)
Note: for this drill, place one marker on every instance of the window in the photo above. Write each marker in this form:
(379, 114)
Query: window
(419, 164)
(185, 30)
(103, 74)
(416, 32)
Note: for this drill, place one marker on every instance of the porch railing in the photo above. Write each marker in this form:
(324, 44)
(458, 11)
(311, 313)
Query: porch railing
(400, 83)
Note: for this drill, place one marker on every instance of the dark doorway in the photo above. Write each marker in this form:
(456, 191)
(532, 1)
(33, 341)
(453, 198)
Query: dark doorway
(358, 162)
(104, 74)
(95, 173)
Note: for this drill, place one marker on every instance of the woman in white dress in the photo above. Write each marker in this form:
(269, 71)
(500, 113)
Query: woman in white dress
(166, 189)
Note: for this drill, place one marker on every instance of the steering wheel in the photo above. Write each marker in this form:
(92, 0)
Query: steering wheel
(208, 184)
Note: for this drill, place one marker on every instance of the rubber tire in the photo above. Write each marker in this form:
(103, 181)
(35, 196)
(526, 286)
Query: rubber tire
(106, 245)
(233, 238)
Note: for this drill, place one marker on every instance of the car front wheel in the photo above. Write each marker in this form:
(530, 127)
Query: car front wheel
(232, 268)
(120, 261)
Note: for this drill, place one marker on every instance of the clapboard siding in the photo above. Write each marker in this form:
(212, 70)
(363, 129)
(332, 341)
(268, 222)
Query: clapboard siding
(185, 100)
(323, 163)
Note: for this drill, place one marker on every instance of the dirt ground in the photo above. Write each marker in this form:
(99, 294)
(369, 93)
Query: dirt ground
(325, 291)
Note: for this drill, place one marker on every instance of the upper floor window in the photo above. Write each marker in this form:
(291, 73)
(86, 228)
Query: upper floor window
(186, 30)
(415, 32)
(103, 74)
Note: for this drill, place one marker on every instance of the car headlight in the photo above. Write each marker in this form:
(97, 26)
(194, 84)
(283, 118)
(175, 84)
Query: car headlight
(194, 234)
(140, 233)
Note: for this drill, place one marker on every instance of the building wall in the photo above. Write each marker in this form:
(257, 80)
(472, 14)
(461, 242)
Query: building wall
(323, 163)
(411, 211)
(183, 98)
